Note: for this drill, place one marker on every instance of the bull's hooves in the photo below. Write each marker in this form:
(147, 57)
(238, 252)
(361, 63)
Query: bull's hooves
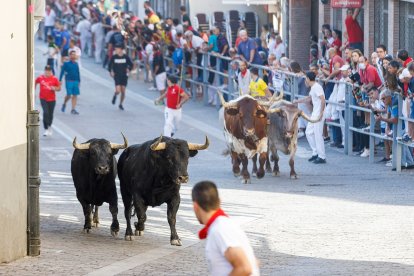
(114, 233)
(129, 238)
(254, 174)
(95, 224)
(176, 242)
(246, 181)
(293, 177)
(86, 231)
(276, 174)
(236, 174)
(139, 233)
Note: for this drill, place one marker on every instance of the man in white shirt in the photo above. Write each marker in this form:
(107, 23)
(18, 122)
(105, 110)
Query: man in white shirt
(98, 38)
(314, 131)
(195, 43)
(277, 47)
(228, 250)
(50, 20)
(84, 30)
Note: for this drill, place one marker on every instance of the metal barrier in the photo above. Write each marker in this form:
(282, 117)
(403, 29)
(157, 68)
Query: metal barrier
(291, 89)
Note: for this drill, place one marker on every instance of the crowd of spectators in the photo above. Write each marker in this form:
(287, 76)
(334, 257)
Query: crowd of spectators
(335, 56)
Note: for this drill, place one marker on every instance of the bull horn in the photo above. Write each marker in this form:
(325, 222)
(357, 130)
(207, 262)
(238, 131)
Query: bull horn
(80, 146)
(192, 146)
(277, 98)
(307, 118)
(120, 146)
(158, 145)
(274, 110)
(223, 101)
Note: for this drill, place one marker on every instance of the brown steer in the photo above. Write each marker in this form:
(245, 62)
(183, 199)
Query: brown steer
(245, 122)
(283, 132)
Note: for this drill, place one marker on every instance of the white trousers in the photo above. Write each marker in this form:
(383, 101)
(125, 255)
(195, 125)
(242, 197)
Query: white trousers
(172, 120)
(86, 40)
(99, 43)
(314, 134)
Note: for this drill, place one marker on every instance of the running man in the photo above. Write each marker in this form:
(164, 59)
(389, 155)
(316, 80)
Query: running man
(159, 70)
(119, 67)
(49, 84)
(176, 97)
(72, 78)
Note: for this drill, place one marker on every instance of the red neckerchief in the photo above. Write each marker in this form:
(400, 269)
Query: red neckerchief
(243, 73)
(203, 232)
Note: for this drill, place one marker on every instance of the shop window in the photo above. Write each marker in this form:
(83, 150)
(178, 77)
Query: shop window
(381, 22)
(407, 27)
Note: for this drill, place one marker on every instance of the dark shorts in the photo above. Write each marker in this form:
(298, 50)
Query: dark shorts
(65, 53)
(121, 80)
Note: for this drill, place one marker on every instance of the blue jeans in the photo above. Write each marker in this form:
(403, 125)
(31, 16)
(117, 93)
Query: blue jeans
(47, 29)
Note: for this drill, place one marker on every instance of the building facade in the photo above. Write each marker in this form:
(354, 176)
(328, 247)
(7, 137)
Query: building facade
(13, 139)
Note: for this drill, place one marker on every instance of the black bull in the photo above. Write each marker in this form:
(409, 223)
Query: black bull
(151, 174)
(93, 170)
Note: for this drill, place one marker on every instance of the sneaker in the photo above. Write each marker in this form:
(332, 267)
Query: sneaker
(114, 99)
(327, 139)
(152, 88)
(313, 158)
(74, 112)
(301, 134)
(319, 161)
(121, 107)
(46, 133)
(50, 131)
(384, 160)
(63, 107)
(365, 153)
(388, 164)
(340, 146)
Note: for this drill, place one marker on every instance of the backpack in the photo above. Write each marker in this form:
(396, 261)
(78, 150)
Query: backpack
(177, 56)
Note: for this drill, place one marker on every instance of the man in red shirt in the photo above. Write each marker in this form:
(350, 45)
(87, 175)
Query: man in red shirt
(176, 97)
(49, 84)
(355, 33)
(369, 75)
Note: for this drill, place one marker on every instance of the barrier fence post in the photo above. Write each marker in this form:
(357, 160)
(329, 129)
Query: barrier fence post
(397, 132)
(346, 120)
(349, 120)
(205, 77)
(293, 89)
(230, 83)
(217, 82)
(371, 138)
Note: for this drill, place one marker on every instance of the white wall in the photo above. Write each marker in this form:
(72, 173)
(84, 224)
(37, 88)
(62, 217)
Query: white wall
(13, 141)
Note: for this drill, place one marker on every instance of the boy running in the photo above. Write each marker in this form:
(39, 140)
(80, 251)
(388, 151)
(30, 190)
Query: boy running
(176, 97)
(72, 78)
(52, 53)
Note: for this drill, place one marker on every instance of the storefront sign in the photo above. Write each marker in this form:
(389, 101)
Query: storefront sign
(346, 3)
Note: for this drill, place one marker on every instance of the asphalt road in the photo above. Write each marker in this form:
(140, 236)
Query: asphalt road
(347, 217)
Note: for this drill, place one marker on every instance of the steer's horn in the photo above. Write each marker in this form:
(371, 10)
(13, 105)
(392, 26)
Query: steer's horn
(80, 146)
(120, 146)
(158, 145)
(307, 118)
(272, 100)
(192, 146)
(274, 110)
(223, 101)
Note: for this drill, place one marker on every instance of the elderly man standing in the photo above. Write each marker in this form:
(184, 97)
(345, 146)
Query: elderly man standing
(195, 43)
(247, 49)
(277, 47)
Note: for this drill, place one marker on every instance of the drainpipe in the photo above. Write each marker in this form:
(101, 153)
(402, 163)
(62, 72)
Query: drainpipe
(33, 180)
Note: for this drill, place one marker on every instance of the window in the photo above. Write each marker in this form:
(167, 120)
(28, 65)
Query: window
(407, 26)
(381, 22)
(337, 19)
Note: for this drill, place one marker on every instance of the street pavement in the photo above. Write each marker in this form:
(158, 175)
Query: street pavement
(347, 217)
